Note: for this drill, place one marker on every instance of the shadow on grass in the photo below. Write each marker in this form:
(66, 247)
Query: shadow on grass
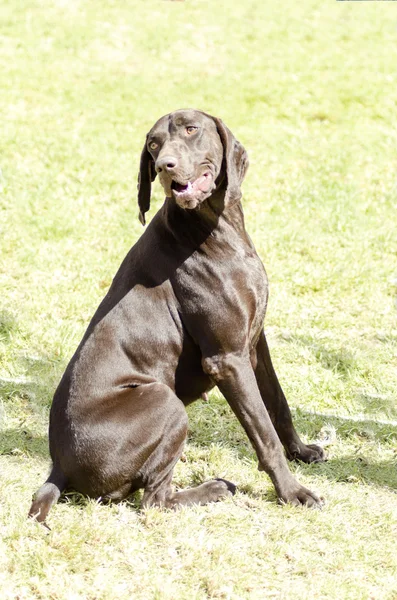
(355, 469)
(20, 442)
(375, 403)
(217, 424)
(8, 325)
(74, 498)
(344, 363)
(340, 361)
(363, 429)
(25, 398)
(23, 411)
(38, 374)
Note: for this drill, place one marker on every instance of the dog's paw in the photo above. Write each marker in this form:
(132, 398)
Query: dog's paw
(217, 489)
(230, 487)
(310, 453)
(210, 491)
(298, 495)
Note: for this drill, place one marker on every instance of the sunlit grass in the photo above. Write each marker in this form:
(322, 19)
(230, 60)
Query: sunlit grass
(310, 89)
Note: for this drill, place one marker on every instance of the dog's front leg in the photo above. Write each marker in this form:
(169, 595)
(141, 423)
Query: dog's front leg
(234, 376)
(278, 409)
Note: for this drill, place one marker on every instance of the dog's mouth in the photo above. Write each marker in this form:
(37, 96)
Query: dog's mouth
(190, 194)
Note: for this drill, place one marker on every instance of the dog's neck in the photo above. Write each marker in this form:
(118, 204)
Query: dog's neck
(193, 226)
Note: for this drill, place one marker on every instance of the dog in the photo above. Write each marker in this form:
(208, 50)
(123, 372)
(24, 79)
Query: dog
(183, 314)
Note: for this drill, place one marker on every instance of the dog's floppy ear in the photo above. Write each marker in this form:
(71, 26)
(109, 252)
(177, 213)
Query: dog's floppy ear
(147, 174)
(235, 162)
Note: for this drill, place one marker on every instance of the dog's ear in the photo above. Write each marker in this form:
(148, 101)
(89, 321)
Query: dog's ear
(147, 174)
(235, 162)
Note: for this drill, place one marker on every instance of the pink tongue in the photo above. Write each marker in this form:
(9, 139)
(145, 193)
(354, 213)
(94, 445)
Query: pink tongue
(198, 184)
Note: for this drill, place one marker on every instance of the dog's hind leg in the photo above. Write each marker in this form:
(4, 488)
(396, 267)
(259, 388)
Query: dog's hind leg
(210, 491)
(48, 494)
(159, 467)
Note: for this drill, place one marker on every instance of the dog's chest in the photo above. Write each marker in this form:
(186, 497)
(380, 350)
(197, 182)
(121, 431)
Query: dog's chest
(222, 292)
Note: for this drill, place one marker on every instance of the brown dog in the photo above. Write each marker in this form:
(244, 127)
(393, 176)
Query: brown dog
(184, 313)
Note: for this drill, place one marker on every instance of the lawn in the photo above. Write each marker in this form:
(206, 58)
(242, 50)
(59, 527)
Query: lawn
(310, 89)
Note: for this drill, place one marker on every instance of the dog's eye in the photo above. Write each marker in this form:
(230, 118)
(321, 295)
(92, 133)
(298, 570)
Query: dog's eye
(153, 145)
(191, 129)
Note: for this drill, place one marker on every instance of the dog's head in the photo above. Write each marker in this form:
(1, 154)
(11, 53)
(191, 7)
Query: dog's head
(193, 154)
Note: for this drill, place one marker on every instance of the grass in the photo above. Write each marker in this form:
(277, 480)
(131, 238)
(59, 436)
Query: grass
(310, 89)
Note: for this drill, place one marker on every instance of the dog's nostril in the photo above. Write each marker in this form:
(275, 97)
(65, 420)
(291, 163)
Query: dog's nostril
(166, 163)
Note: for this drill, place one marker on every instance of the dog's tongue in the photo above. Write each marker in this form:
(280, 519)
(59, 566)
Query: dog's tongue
(190, 190)
(202, 183)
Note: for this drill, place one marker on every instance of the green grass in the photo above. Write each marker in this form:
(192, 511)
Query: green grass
(310, 89)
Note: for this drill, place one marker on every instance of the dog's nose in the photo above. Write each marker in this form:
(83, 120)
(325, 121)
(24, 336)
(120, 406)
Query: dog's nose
(166, 163)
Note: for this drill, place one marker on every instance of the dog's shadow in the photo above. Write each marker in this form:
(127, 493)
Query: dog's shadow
(215, 423)
(365, 435)
(26, 397)
(23, 442)
(75, 499)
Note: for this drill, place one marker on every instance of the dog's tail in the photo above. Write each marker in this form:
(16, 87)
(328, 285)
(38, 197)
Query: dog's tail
(47, 495)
